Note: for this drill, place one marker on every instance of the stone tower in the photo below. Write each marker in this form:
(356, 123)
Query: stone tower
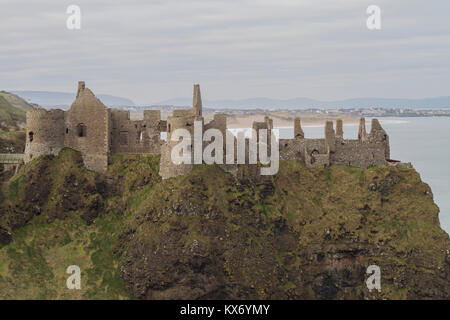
(185, 120)
(330, 137)
(298, 131)
(87, 129)
(81, 87)
(379, 136)
(45, 133)
(197, 101)
(362, 133)
(339, 129)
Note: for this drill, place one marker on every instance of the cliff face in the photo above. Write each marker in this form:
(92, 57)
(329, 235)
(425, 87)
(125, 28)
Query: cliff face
(302, 234)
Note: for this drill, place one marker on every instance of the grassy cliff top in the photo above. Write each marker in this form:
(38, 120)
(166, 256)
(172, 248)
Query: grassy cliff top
(9, 113)
(15, 101)
(12, 123)
(302, 234)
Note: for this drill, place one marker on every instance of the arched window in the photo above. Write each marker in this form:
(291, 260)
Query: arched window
(31, 136)
(81, 130)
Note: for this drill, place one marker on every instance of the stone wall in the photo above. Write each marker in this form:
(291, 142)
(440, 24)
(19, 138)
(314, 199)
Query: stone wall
(45, 132)
(298, 131)
(292, 149)
(94, 130)
(369, 150)
(330, 136)
(358, 154)
(197, 106)
(87, 129)
(141, 136)
(179, 120)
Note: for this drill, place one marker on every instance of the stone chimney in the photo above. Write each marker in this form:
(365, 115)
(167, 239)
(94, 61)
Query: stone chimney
(269, 122)
(339, 129)
(377, 134)
(330, 137)
(298, 131)
(362, 133)
(197, 103)
(81, 87)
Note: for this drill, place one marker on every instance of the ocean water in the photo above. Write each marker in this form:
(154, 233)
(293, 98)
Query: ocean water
(425, 142)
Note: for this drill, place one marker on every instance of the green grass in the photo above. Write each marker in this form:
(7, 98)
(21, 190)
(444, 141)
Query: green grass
(203, 206)
(34, 264)
(9, 113)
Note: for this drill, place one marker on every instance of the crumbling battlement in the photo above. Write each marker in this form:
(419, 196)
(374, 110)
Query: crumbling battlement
(96, 131)
(368, 150)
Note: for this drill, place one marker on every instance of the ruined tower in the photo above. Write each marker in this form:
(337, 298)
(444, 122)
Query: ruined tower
(197, 101)
(298, 131)
(339, 129)
(45, 132)
(377, 135)
(185, 120)
(330, 137)
(362, 133)
(81, 87)
(87, 129)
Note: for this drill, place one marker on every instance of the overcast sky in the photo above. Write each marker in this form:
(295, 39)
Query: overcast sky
(150, 51)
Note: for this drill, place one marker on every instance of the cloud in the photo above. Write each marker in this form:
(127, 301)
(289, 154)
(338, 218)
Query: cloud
(155, 50)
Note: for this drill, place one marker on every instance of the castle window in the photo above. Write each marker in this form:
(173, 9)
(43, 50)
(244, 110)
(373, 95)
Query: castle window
(67, 130)
(140, 136)
(31, 135)
(81, 130)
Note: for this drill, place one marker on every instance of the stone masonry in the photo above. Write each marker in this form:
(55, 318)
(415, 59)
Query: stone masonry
(97, 131)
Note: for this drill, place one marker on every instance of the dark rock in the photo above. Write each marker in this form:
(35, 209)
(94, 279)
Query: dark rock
(5, 236)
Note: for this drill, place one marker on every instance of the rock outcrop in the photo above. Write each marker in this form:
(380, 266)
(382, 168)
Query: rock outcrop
(301, 234)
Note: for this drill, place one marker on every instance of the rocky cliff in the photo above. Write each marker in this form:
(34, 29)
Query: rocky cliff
(302, 234)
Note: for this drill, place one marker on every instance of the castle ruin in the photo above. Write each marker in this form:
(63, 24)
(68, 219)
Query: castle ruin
(97, 131)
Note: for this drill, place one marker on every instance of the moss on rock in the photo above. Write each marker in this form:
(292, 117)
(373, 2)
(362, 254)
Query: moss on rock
(301, 234)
